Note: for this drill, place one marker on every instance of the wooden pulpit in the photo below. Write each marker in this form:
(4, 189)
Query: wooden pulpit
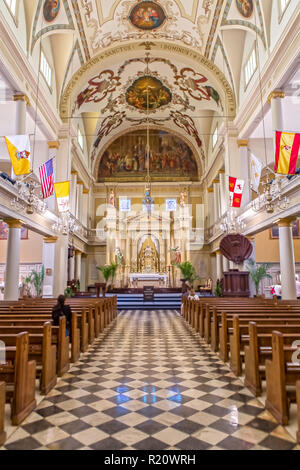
(236, 283)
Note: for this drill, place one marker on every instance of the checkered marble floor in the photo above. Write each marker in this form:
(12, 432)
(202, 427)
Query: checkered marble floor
(150, 383)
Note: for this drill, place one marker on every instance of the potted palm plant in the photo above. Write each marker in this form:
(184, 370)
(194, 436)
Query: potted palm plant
(188, 272)
(114, 268)
(258, 273)
(37, 279)
(106, 271)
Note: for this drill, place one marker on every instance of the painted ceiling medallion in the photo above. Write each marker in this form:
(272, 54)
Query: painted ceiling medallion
(147, 15)
(245, 7)
(51, 10)
(148, 93)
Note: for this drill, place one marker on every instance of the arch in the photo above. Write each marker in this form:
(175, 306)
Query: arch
(180, 51)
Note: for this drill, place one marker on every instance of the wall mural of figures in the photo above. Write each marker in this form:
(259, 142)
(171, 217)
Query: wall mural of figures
(125, 159)
(51, 10)
(147, 15)
(148, 93)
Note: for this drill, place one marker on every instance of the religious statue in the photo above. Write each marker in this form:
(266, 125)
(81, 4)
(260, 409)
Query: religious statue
(176, 255)
(112, 198)
(183, 195)
(119, 256)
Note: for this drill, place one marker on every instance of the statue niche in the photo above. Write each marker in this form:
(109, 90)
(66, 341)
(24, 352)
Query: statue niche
(148, 260)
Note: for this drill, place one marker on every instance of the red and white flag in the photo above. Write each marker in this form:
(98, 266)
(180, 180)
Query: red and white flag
(236, 188)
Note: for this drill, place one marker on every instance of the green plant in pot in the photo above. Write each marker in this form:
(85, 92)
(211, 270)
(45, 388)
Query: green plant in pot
(37, 279)
(258, 273)
(188, 272)
(68, 293)
(106, 272)
(114, 268)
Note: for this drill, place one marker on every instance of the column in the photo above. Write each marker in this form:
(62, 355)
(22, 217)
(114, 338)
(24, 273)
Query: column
(216, 184)
(287, 259)
(223, 193)
(11, 290)
(49, 264)
(53, 147)
(213, 270)
(71, 270)
(225, 264)
(211, 207)
(73, 191)
(275, 99)
(60, 265)
(78, 254)
(245, 171)
(20, 120)
(79, 200)
(85, 205)
(253, 257)
(83, 277)
(219, 264)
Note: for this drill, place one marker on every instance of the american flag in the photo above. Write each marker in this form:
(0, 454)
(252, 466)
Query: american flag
(46, 177)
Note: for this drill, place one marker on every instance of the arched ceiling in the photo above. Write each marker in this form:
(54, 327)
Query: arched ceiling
(194, 47)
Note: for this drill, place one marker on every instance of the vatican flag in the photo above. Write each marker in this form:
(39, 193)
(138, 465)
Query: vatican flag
(62, 192)
(255, 172)
(18, 147)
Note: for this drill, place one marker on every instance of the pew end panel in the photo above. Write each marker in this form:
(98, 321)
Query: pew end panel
(2, 413)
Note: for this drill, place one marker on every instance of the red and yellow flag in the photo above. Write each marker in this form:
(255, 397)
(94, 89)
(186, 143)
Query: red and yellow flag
(287, 149)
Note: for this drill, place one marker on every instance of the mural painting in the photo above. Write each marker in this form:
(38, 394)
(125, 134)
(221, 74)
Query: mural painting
(4, 232)
(51, 10)
(147, 15)
(125, 159)
(245, 7)
(148, 93)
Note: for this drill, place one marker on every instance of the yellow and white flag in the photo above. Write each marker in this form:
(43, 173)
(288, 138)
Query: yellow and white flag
(255, 172)
(62, 192)
(18, 147)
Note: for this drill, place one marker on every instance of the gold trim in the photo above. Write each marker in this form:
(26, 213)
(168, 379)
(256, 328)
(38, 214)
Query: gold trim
(50, 239)
(78, 252)
(242, 143)
(210, 190)
(276, 94)
(221, 172)
(80, 182)
(53, 144)
(13, 223)
(86, 191)
(286, 222)
(212, 255)
(74, 172)
(216, 180)
(218, 252)
(22, 97)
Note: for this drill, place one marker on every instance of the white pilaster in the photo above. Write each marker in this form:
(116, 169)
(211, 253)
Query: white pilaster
(216, 199)
(49, 264)
(73, 191)
(245, 171)
(78, 265)
(223, 193)
(53, 147)
(61, 265)
(219, 265)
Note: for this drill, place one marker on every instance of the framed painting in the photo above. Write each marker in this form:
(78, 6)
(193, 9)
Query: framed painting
(4, 232)
(274, 231)
(245, 7)
(147, 15)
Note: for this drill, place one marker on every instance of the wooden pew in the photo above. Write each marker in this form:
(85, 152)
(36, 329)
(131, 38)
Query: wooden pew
(298, 409)
(281, 378)
(2, 413)
(19, 374)
(257, 351)
(239, 337)
(41, 349)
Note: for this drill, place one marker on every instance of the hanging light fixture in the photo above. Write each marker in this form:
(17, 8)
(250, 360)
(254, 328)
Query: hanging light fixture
(29, 198)
(148, 201)
(231, 223)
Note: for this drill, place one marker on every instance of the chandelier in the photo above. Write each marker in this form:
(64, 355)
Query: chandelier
(29, 197)
(148, 201)
(230, 223)
(271, 197)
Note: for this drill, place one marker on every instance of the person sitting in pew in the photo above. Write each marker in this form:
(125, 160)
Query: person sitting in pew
(60, 310)
(193, 295)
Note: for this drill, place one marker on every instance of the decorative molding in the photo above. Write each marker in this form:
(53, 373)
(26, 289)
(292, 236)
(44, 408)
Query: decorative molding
(22, 97)
(50, 239)
(210, 190)
(13, 223)
(275, 94)
(86, 191)
(54, 144)
(242, 143)
(81, 28)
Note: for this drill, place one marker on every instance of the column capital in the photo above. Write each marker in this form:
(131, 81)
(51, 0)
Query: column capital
(80, 183)
(53, 144)
(242, 143)
(22, 97)
(50, 239)
(286, 222)
(251, 238)
(86, 191)
(212, 255)
(275, 94)
(210, 190)
(218, 252)
(73, 172)
(221, 172)
(215, 181)
(78, 252)
(13, 223)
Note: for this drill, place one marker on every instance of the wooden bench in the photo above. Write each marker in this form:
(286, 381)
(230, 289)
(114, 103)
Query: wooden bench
(42, 348)
(281, 378)
(19, 375)
(2, 413)
(298, 409)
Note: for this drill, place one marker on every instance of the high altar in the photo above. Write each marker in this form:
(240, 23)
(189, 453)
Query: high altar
(145, 246)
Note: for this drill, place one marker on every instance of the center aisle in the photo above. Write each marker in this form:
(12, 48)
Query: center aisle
(150, 383)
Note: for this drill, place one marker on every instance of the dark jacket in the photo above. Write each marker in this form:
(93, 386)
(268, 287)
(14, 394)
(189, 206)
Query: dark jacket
(59, 311)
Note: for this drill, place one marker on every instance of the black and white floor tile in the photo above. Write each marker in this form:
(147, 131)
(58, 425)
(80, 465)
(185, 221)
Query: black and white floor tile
(150, 383)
